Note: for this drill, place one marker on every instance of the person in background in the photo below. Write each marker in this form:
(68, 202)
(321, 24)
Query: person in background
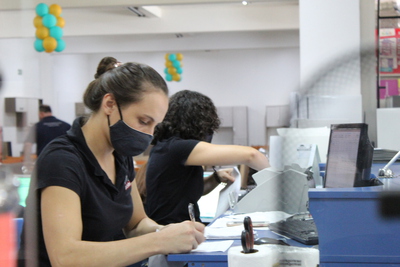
(83, 191)
(44, 131)
(182, 146)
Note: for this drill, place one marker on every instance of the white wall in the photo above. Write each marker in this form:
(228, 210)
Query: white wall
(111, 18)
(249, 73)
(253, 78)
(70, 78)
(333, 37)
(19, 67)
(329, 30)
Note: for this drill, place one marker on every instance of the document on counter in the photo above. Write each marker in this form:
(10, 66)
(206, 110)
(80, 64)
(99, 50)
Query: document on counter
(259, 219)
(214, 246)
(231, 226)
(225, 232)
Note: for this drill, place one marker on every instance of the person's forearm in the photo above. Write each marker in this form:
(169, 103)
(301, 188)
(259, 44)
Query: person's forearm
(145, 226)
(115, 253)
(257, 161)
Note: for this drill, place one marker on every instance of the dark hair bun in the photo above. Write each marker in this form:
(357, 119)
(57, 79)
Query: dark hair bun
(105, 65)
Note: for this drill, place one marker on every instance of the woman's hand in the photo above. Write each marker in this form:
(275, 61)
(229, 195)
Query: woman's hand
(181, 237)
(212, 181)
(225, 175)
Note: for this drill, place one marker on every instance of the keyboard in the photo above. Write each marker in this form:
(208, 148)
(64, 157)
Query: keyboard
(301, 230)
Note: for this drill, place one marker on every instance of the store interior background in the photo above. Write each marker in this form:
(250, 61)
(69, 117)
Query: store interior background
(255, 55)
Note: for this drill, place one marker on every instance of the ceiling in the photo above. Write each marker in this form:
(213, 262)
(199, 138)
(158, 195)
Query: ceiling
(177, 17)
(31, 4)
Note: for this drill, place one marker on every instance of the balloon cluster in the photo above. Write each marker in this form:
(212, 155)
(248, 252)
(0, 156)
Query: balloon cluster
(49, 23)
(173, 67)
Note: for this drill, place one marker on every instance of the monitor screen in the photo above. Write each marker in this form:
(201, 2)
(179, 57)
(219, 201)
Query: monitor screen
(349, 156)
(23, 189)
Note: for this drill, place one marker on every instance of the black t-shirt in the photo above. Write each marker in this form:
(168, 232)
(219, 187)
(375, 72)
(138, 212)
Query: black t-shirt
(106, 208)
(171, 185)
(45, 131)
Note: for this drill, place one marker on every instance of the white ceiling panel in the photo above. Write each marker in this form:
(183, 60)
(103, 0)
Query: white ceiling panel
(110, 18)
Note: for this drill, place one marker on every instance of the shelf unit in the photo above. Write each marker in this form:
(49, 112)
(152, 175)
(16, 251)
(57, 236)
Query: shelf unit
(379, 75)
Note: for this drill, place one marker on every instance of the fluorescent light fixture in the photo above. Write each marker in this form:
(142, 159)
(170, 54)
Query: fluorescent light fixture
(136, 10)
(145, 11)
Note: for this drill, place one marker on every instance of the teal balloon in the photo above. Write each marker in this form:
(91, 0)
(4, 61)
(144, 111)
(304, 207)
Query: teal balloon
(166, 71)
(42, 9)
(176, 63)
(172, 57)
(56, 32)
(49, 20)
(179, 70)
(168, 77)
(39, 45)
(60, 45)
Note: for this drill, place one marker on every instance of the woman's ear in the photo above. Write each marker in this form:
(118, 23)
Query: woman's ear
(108, 104)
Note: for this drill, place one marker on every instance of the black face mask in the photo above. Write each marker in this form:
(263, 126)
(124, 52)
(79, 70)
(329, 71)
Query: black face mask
(126, 140)
(208, 138)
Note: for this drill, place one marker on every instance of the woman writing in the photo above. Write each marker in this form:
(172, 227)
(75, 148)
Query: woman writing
(89, 212)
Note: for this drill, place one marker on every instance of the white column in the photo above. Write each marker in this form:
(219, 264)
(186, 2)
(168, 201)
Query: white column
(333, 37)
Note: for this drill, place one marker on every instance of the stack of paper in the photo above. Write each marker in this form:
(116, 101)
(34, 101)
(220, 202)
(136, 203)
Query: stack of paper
(214, 246)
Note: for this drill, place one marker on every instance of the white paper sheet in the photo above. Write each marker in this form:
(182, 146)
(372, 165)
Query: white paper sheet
(234, 232)
(214, 246)
(228, 196)
(275, 152)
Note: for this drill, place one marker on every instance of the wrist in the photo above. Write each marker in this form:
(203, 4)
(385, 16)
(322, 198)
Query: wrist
(159, 227)
(216, 176)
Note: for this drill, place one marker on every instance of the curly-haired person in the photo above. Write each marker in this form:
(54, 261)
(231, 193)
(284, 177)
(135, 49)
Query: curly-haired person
(182, 146)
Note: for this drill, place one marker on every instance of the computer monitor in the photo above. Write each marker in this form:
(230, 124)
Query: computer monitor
(349, 156)
(23, 189)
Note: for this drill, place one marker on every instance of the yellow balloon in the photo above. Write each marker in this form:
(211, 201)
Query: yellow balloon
(171, 70)
(167, 56)
(49, 44)
(55, 10)
(60, 22)
(179, 56)
(168, 64)
(42, 32)
(176, 77)
(37, 21)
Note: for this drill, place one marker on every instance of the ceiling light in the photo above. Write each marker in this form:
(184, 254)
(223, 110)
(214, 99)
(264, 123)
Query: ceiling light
(146, 11)
(244, 3)
(136, 11)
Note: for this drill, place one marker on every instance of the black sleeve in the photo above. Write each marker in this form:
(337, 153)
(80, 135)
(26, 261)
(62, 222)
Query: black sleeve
(60, 168)
(181, 149)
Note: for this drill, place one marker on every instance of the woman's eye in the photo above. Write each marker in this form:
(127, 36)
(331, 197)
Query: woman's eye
(143, 122)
